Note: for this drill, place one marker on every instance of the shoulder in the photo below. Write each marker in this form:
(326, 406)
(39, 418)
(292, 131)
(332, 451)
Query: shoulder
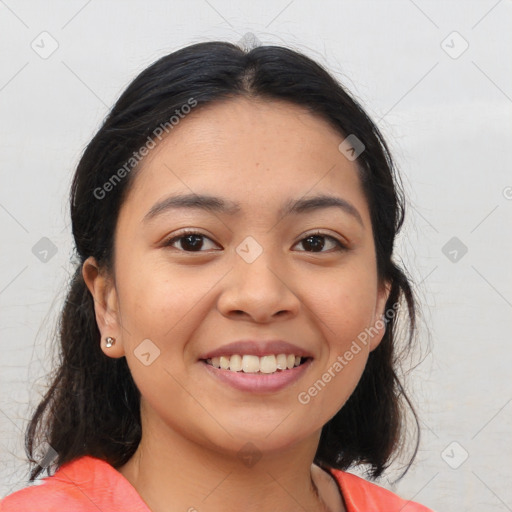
(47, 495)
(360, 495)
(84, 485)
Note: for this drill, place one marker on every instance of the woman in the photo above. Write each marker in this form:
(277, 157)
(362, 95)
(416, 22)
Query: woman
(229, 336)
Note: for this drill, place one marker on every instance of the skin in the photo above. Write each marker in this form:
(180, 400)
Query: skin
(259, 153)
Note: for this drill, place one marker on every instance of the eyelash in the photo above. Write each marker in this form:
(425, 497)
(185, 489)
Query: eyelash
(339, 245)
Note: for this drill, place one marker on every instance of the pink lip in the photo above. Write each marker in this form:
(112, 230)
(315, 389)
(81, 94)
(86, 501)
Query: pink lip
(258, 382)
(256, 348)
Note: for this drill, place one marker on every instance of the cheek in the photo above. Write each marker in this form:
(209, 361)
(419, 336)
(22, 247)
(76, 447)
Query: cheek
(344, 308)
(161, 312)
(344, 304)
(164, 306)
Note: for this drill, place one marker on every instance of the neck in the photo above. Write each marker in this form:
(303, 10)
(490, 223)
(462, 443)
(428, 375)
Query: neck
(168, 468)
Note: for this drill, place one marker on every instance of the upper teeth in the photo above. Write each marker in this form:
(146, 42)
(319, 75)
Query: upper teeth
(254, 364)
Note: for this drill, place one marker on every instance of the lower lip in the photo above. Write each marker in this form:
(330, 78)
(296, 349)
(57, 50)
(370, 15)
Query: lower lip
(258, 382)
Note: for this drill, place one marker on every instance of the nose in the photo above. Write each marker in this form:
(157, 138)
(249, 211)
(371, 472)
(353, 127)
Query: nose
(261, 291)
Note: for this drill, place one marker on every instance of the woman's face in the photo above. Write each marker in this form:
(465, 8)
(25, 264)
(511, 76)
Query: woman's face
(274, 268)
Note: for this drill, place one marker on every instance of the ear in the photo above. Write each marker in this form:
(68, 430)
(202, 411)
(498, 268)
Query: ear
(378, 328)
(103, 291)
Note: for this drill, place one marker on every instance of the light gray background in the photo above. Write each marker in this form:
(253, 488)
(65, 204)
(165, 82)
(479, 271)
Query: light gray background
(446, 114)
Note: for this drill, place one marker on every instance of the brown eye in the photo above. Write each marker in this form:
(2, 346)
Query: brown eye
(317, 243)
(190, 242)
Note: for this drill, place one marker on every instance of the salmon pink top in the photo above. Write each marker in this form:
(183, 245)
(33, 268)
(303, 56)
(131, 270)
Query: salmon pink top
(90, 484)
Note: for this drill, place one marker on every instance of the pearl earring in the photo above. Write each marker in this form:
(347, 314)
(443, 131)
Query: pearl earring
(109, 342)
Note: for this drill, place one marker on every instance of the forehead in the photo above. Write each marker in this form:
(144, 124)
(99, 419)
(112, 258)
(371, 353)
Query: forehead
(255, 151)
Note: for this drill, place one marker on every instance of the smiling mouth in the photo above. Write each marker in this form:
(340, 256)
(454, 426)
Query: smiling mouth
(253, 364)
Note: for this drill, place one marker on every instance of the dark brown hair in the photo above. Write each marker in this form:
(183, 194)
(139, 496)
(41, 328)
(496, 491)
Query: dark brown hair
(92, 405)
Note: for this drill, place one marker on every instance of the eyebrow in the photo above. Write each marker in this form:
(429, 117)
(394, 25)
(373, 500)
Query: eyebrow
(218, 205)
